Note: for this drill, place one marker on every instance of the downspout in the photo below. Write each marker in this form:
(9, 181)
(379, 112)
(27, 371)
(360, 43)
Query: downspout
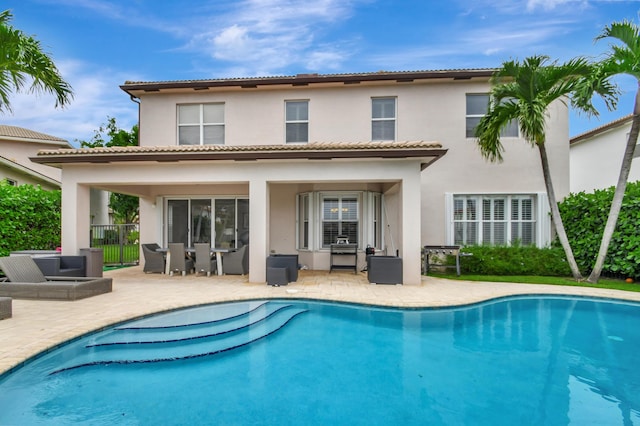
(137, 101)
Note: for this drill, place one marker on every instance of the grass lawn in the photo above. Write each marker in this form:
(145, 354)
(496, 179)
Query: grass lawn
(603, 282)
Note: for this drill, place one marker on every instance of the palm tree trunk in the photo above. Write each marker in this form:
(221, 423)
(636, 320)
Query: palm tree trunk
(621, 186)
(555, 214)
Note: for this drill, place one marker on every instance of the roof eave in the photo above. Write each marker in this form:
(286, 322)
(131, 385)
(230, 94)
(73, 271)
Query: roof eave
(306, 79)
(102, 158)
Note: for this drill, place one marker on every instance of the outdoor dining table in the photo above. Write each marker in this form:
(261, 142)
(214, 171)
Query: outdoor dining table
(191, 250)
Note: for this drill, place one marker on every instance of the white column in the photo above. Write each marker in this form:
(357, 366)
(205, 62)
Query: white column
(258, 229)
(76, 217)
(411, 232)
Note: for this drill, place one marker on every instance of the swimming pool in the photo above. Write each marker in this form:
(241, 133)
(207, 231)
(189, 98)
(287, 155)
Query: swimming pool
(521, 360)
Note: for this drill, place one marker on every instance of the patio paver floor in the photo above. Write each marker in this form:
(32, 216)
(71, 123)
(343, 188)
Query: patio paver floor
(39, 325)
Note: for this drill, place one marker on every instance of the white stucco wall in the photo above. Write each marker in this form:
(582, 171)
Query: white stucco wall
(433, 111)
(595, 162)
(19, 152)
(415, 200)
(271, 194)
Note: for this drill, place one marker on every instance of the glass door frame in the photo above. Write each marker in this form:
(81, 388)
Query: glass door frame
(239, 231)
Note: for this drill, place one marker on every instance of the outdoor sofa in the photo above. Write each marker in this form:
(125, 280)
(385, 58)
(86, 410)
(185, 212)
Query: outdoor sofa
(26, 281)
(62, 266)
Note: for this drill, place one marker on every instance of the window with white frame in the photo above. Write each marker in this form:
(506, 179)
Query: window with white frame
(383, 119)
(11, 182)
(339, 217)
(494, 219)
(303, 221)
(323, 216)
(201, 124)
(477, 107)
(297, 121)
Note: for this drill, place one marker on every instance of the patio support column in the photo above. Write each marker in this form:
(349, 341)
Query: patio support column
(258, 229)
(411, 232)
(76, 217)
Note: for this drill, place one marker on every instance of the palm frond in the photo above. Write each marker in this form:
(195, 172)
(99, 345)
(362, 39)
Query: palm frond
(625, 31)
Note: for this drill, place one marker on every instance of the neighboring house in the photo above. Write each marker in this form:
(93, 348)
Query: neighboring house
(17, 145)
(596, 156)
(387, 159)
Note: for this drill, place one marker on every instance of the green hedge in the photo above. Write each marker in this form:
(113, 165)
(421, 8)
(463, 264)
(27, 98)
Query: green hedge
(515, 260)
(585, 215)
(29, 218)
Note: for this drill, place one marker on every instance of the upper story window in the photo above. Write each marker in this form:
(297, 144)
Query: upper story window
(383, 119)
(477, 107)
(297, 121)
(201, 124)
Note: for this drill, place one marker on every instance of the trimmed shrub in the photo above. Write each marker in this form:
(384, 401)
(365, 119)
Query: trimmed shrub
(585, 215)
(29, 218)
(514, 260)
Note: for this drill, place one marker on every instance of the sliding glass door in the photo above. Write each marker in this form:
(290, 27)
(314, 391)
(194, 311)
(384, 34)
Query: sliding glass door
(197, 220)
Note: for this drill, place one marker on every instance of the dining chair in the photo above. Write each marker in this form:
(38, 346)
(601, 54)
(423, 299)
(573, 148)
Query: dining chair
(204, 263)
(236, 262)
(179, 261)
(154, 261)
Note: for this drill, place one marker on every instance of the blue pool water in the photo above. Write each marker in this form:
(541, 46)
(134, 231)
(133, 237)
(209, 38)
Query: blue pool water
(516, 361)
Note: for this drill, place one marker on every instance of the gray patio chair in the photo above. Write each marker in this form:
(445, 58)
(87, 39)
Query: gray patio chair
(26, 281)
(204, 263)
(384, 269)
(154, 261)
(236, 262)
(179, 262)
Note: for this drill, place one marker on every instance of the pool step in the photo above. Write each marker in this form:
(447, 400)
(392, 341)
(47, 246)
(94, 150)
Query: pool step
(200, 330)
(236, 333)
(193, 316)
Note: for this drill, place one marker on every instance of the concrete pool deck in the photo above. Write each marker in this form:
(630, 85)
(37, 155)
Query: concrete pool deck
(39, 325)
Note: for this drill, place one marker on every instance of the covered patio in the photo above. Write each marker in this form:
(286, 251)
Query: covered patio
(381, 181)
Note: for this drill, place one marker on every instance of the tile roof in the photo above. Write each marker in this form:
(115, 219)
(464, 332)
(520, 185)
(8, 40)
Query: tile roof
(312, 146)
(601, 129)
(314, 150)
(305, 79)
(15, 132)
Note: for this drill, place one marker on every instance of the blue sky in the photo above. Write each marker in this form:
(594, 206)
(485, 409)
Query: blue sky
(100, 44)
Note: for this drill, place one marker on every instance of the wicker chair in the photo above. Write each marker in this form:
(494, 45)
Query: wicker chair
(204, 263)
(384, 269)
(179, 261)
(236, 262)
(154, 261)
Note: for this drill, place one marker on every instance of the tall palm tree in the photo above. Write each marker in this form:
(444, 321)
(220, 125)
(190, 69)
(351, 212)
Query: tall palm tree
(23, 61)
(523, 92)
(623, 59)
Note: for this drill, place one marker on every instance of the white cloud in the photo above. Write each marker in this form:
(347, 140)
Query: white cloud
(96, 96)
(552, 4)
(270, 35)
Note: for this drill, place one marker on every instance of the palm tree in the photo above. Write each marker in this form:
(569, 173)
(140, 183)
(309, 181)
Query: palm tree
(22, 61)
(523, 92)
(624, 59)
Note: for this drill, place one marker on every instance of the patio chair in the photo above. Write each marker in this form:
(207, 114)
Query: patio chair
(26, 281)
(154, 261)
(204, 263)
(384, 269)
(179, 261)
(236, 262)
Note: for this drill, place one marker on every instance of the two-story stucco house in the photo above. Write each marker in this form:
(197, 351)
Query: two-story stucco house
(387, 159)
(596, 156)
(17, 146)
